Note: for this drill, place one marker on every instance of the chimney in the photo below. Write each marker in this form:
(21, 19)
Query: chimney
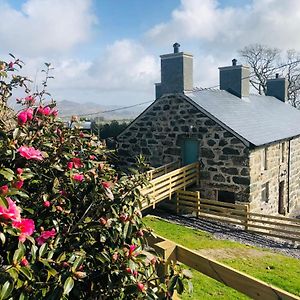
(176, 73)
(277, 87)
(235, 79)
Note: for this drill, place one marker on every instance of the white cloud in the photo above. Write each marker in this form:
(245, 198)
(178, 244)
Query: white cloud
(45, 27)
(274, 22)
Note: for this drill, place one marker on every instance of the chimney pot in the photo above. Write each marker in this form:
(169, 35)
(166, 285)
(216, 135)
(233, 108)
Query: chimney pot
(176, 47)
(277, 75)
(234, 61)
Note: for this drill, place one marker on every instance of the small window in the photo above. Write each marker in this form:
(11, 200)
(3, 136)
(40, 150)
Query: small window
(282, 151)
(225, 196)
(264, 159)
(265, 192)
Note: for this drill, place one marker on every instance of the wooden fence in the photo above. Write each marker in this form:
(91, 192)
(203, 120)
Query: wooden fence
(275, 226)
(164, 186)
(162, 170)
(248, 285)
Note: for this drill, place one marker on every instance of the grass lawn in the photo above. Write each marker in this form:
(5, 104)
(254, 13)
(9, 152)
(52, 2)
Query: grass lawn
(279, 270)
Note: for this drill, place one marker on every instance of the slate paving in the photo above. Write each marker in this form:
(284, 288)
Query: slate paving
(233, 233)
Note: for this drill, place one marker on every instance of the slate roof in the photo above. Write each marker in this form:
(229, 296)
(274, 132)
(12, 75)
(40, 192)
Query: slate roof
(258, 119)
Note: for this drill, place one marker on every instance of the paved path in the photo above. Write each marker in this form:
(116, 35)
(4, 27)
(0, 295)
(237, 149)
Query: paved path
(231, 232)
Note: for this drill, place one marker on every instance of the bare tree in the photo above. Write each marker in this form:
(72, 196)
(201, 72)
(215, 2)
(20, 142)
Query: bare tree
(265, 62)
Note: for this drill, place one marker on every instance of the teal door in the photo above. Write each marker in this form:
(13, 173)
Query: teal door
(190, 150)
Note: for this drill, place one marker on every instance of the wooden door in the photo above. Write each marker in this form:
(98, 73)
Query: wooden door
(190, 151)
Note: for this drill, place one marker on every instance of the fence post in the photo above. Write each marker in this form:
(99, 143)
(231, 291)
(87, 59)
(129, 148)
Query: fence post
(170, 188)
(184, 181)
(198, 206)
(247, 218)
(177, 203)
(198, 173)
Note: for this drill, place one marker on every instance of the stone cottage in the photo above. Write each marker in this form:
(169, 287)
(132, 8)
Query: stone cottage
(248, 145)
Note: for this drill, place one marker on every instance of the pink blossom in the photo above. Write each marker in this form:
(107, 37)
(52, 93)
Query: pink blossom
(29, 112)
(11, 65)
(18, 185)
(132, 249)
(19, 171)
(92, 157)
(24, 262)
(40, 110)
(46, 203)
(54, 112)
(22, 117)
(30, 153)
(45, 235)
(26, 226)
(29, 100)
(106, 184)
(4, 189)
(46, 111)
(140, 286)
(81, 134)
(77, 162)
(10, 213)
(70, 165)
(78, 177)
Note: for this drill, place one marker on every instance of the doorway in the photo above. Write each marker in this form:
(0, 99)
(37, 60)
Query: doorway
(190, 151)
(281, 209)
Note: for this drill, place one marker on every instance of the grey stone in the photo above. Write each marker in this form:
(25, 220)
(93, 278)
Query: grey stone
(230, 151)
(211, 142)
(209, 122)
(219, 178)
(241, 180)
(230, 171)
(223, 143)
(207, 153)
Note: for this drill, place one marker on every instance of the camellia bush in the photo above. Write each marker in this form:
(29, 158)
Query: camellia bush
(70, 224)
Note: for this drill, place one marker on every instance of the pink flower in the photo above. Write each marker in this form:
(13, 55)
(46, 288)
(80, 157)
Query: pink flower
(132, 249)
(22, 118)
(19, 171)
(26, 226)
(45, 235)
(10, 213)
(46, 203)
(46, 111)
(29, 100)
(106, 185)
(4, 189)
(78, 177)
(140, 286)
(92, 157)
(54, 112)
(30, 153)
(24, 262)
(29, 112)
(70, 165)
(40, 110)
(81, 134)
(11, 65)
(77, 162)
(18, 185)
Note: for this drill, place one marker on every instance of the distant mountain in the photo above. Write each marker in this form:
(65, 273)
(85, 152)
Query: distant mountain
(68, 108)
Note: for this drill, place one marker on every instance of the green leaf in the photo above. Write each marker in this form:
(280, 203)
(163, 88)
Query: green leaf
(25, 271)
(69, 284)
(77, 263)
(3, 202)
(6, 290)
(13, 272)
(16, 133)
(19, 253)
(125, 230)
(7, 173)
(43, 249)
(179, 286)
(2, 237)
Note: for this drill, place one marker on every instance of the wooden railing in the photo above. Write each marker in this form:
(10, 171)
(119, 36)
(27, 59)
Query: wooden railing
(165, 186)
(238, 214)
(162, 170)
(248, 285)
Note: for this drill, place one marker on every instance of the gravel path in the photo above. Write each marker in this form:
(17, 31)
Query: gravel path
(231, 232)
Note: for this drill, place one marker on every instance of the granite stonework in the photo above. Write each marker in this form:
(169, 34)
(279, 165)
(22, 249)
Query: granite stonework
(160, 131)
(227, 163)
(282, 166)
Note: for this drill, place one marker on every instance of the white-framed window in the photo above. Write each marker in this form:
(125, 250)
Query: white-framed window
(265, 192)
(264, 159)
(282, 151)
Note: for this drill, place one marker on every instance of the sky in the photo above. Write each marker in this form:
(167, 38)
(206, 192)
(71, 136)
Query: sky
(107, 51)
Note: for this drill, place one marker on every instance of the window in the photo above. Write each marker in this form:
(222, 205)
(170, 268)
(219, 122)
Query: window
(225, 196)
(265, 192)
(282, 151)
(264, 159)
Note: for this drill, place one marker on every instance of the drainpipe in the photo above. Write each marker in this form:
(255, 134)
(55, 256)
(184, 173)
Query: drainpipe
(288, 179)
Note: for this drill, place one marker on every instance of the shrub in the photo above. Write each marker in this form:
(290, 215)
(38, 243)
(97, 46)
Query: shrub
(70, 225)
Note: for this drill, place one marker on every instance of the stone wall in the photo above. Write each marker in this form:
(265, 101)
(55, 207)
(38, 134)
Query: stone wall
(158, 134)
(277, 171)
